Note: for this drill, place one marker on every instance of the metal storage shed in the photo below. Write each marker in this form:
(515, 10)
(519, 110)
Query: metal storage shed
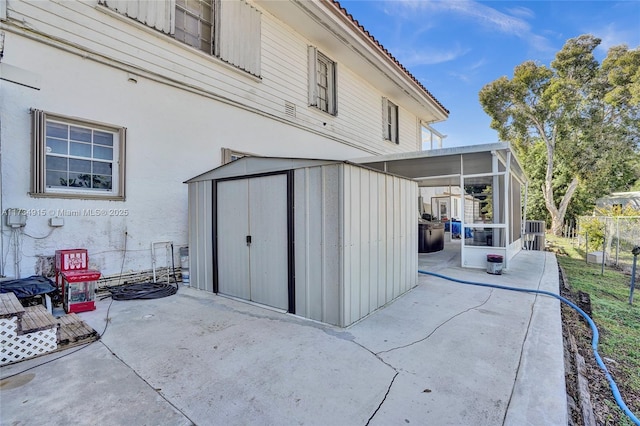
(326, 240)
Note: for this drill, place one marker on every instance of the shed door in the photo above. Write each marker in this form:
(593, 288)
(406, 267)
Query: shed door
(252, 239)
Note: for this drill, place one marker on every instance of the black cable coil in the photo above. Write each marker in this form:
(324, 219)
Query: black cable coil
(142, 291)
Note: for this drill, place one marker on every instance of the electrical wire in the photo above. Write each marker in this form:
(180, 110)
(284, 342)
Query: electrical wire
(142, 291)
(40, 238)
(594, 329)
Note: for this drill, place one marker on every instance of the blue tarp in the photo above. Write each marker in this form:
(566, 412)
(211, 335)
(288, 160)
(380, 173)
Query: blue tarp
(27, 287)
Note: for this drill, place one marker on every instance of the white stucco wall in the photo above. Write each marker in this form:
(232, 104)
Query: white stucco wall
(175, 125)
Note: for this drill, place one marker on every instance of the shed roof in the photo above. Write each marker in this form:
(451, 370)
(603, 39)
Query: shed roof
(255, 165)
(251, 165)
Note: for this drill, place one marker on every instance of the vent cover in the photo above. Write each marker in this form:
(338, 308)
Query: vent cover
(290, 109)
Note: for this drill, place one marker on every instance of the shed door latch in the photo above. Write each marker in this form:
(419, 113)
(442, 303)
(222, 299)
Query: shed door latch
(248, 240)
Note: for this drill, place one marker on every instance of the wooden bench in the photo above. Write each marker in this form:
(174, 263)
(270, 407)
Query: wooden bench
(10, 306)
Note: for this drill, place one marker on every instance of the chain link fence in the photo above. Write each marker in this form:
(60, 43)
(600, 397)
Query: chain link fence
(616, 236)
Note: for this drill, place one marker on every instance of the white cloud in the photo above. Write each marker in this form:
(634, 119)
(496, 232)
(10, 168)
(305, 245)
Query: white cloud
(484, 15)
(521, 11)
(412, 57)
(487, 17)
(613, 36)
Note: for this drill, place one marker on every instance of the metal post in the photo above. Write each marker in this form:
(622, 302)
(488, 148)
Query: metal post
(586, 247)
(617, 239)
(604, 248)
(635, 252)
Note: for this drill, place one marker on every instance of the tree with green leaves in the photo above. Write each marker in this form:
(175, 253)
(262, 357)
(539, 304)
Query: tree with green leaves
(576, 124)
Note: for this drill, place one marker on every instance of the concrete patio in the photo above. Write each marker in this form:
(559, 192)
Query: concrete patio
(444, 353)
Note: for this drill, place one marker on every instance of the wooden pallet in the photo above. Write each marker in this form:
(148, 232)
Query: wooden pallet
(73, 331)
(10, 306)
(37, 318)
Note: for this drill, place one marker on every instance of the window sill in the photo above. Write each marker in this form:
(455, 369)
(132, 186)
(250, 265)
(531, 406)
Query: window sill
(74, 196)
(315, 108)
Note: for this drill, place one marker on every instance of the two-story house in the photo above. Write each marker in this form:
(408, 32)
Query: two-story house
(108, 106)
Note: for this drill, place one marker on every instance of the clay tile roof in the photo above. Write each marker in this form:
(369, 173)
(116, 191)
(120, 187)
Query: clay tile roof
(377, 43)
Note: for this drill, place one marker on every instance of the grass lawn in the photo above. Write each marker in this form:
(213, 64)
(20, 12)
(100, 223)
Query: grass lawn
(617, 321)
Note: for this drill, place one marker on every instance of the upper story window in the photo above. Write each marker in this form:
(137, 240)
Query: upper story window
(76, 158)
(322, 82)
(390, 121)
(227, 29)
(194, 24)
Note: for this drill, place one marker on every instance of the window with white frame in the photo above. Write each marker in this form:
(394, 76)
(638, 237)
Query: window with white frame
(390, 121)
(322, 82)
(76, 158)
(227, 29)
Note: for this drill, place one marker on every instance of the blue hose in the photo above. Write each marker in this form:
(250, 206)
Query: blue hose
(594, 329)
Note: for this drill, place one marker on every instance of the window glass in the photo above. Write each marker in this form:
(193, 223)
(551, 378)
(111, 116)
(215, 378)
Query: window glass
(193, 23)
(80, 134)
(325, 83)
(57, 146)
(103, 138)
(101, 168)
(57, 163)
(57, 130)
(80, 149)
(391, 125)
(102, 152)
(56, 178)
(484, 237)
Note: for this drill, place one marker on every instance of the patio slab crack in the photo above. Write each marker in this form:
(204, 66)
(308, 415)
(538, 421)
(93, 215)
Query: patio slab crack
(395, 376)
(383, 399)
(438, 326)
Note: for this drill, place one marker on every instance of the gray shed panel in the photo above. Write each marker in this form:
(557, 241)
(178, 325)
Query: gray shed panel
(317, 243)
(200, 235)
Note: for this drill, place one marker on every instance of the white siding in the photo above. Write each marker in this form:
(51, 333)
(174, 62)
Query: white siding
(129, 44)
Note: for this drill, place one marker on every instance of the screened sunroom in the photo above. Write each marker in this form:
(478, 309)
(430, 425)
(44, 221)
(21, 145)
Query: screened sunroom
(477, 191)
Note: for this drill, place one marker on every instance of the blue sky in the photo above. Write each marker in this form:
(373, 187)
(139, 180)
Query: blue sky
(455, 47)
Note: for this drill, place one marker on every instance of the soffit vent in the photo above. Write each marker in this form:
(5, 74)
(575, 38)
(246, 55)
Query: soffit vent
(290, 109)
